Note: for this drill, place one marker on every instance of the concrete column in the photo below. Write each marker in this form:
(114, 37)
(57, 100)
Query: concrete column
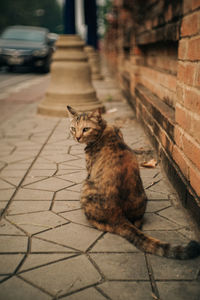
(70, 80)
(94, 61)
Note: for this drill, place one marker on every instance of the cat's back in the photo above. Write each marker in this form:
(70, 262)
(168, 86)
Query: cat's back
(112, 155)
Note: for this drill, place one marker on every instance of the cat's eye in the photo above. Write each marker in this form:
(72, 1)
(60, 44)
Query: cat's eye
(86, 129)
(73, 129)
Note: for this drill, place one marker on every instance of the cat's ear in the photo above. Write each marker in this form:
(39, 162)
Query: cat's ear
(71, 111)
(96, 113)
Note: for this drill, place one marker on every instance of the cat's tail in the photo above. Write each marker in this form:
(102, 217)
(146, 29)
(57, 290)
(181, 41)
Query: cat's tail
(151, 245)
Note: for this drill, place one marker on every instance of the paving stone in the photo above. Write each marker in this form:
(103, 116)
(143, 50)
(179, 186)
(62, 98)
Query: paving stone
(57, 157)
(26, 145)
(5, 185)
(87, 294)
(113, 243)
(40, 246)
(41, 173)
(155, 222)
(16, 289)
(21, 207)
(2, 278)
(76, 163)
(67, 195)
(72, 235)
(127, 290)
(36, 222)
(65, 166)
(13, 243)
(2, 165)
(8, 229)
(179, 290)
(17, 157)
(76, 187)
(9, 263)
(73, 274)
(3, 206)
(189, 233)
(15, 181)
(77, 177)
(76, 216)
(32, 179)
(67, 171)
(23, 165)
(162, 185)
(37, 260)
(5, 195)
(76, 150)
(44, 164)
(13, 173)
(176, 215)
(169, 269)
(6, 149)
(63, 206)
(29, 194)
(155, 206)
(50, 184)
(172, 237)
(156, 195)
(122, 266)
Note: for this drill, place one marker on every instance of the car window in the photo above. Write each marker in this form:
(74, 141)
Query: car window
(25, 35)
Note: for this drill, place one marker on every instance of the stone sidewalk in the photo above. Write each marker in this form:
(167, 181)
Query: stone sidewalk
(47, 248)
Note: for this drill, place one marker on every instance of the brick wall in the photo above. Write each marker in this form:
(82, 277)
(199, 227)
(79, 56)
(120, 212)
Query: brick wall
(156, 55)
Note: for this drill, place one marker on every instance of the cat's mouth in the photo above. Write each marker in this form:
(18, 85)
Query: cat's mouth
(79, 140)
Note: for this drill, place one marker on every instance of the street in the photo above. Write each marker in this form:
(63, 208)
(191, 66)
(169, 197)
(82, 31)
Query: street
(11, 82)
(16, 90)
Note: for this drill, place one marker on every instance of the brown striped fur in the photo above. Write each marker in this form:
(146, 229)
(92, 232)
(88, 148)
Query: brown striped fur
(113, 197)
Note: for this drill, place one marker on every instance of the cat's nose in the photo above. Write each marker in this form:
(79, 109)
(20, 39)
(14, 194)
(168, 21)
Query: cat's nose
(78, 138)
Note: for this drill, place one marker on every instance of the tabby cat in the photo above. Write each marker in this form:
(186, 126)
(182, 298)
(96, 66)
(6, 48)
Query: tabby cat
(113, 197)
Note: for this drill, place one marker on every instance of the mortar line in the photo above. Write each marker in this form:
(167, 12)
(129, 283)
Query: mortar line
(28, 170)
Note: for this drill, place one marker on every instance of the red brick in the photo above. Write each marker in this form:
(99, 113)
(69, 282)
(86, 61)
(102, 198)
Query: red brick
(195, 4)
(180, 93)
(183, 48)
(137, 51)
(178, 133)
(194, 48)
(192, 100)
(181, 161)
(194, 176)
(169, 13)
(195, 127)
(183, 118)
(197, 76)
(186, 72)
(191, 149)
(190, 24)
(187, 6)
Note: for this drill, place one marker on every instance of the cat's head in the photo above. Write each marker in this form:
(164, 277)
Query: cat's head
(86, 127)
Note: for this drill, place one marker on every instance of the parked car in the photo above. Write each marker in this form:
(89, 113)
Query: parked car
(26, 46)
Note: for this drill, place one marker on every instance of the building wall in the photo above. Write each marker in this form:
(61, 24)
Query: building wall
(155, 48)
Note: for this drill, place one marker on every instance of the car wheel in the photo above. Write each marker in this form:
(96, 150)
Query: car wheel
(46, 67)
(10, 68)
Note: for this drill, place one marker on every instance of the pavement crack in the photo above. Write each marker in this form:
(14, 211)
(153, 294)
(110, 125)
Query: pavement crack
(155, 293)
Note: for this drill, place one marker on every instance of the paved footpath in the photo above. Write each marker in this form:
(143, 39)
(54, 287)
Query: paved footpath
(47, 248)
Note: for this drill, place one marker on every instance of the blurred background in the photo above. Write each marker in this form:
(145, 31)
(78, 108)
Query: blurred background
(48, 14)
(43, 13)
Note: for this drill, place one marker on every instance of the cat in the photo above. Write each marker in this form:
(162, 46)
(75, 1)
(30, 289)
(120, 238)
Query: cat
(113, 197)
